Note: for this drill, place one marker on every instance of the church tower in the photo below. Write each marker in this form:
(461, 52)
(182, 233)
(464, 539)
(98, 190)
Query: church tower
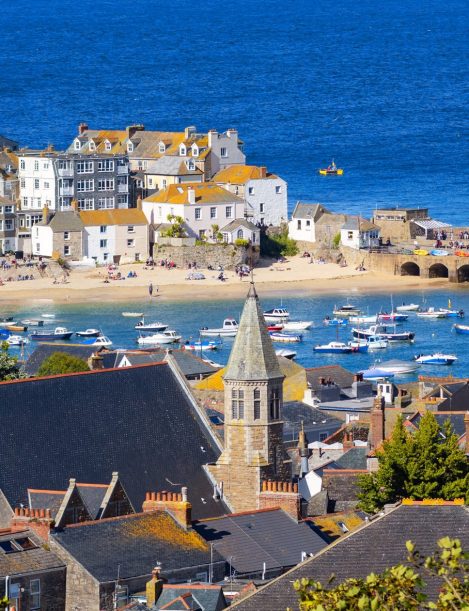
(254, 449)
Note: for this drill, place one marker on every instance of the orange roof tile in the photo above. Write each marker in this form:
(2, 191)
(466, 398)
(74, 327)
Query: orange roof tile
(127, 216)
(205, 193)
(240, 174)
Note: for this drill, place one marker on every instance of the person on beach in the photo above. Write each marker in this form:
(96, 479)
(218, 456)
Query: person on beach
(150, 289)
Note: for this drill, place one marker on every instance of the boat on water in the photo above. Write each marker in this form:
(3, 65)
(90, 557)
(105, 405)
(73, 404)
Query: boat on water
(150, 326)
(276, 326)
(132, 314)
(167, 337)
(48, 315)
(4, 334)
(346, 310)
(398, 367)
(374, 342)
(287, 354)
(461, 329)
(363, 320)
(437, 358)
(331, 170)
(288, 338)
(47, 336)
(229, 329)
(375, 373)
(16, 328)
(88, 333)
(298, 325)
(6, 319)
(358, 345)
(408, 307)
(453, 313)
(277, 314)
(16, 340)
(384, 332)
(392, 317)
(335, 322)
(334, 348)
(102, 340)
(213, 344)
(432, 314)
(32, 322)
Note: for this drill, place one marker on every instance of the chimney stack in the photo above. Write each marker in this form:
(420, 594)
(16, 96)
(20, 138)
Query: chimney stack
(82, 128)
(189, 131)
(212, 136)
(175, 503)
(262, 172)
(74, 205)
(132, 129)
(347, 442)
(376, 434)
(139, 202)
(45, 215)
(154, 587)
(191, 195)
(303, 451)
(466, 424)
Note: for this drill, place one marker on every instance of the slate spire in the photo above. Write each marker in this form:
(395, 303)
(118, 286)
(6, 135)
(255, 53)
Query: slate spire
(252, 356)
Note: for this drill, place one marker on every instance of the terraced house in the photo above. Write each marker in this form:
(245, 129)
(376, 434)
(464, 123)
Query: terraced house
(7, 225)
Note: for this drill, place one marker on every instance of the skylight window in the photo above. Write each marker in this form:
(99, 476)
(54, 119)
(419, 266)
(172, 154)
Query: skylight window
(17, 545)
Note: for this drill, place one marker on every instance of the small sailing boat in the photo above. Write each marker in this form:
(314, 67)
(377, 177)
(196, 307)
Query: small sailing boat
(331, 170)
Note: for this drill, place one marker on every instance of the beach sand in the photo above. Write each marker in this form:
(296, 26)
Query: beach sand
(295, 276)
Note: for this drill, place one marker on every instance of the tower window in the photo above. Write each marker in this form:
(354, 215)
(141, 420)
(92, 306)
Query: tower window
(234, 404)
(275, 404)
(257, 404)
(240, 404)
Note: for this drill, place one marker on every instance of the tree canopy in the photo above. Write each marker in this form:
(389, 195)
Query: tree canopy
(61, 362)
(9, 368)
(425, 464)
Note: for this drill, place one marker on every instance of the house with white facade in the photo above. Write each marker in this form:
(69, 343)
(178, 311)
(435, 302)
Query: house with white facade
(115, 236)
(303, 224)
(201, 206)
(358, 233)
(241, 229)
(265, 193)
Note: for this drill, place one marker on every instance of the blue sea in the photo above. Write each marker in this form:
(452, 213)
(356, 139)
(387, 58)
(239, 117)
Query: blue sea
(188, 318)
(381, 87)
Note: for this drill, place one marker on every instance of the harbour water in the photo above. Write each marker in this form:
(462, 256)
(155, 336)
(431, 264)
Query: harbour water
(378, 86)
(188, 318)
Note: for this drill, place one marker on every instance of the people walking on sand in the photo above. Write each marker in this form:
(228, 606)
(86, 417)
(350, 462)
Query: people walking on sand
(150, 289)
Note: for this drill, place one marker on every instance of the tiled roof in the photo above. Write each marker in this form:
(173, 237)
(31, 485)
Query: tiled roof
(456, 419)
(197, 596)
(250, 539)
(136, 420)
(233, 225)
(27, 561)
(340, 376)
(376, 546)
(205, 193)
(64, 221)
(354, 222)
(125, 216)
(308, 211)
(44, 350)
(135, 543)
(335, 525)
(172, 165)
(240, 174)
(355, 458)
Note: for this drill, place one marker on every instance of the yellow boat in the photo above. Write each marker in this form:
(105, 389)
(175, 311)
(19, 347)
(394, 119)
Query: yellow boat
(17, 328)
(331, 170)
(420, 251)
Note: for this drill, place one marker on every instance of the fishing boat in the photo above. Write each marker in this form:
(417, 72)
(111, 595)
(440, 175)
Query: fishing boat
(167, 337)
(432, 314)
(298, 325)
(277, 314)
(331, 170)
(335, 322)
(437, 358)
(275, 327)
(462, 329)
(288, 338)
(6, 319)
(132, 314)
(47, 336)
(374, 342)
(334, 348)
(88, 333)
(287, 354)
(408, 307)
(375, 373)
(16, 328)
(358, 345)
(16, 340)
(453, 313)
(213, 344)
(384, 332)
(346, 310)
(392, 317)
(229, 329)
(157, 327)
(398, 367)
(102, 340)
(32, 322)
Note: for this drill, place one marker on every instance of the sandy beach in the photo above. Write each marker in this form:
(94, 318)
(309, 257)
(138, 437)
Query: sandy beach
(296, 276)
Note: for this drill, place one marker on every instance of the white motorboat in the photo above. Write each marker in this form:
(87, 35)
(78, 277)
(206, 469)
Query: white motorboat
(157, 327)
(229, 329)
(437, 358)
(298, 325)
(212, 363)
(384, 333)
(398, 367)
(48, 315)
(211, 344)
(88, 333)
(375, 342)
(167, 337)
(289, 338)
(33, 322)
(46, 336)
(346, 311)
(277, 314)
(363, 320)
(334, 348)
(16, 340)
(287, 354)
(132, 314)
(432, 314)
(102, 340)
(408, 307)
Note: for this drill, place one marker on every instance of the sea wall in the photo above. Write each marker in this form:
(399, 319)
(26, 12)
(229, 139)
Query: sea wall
(226, 255)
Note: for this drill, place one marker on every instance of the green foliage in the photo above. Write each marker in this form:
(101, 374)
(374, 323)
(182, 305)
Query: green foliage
(276, 245)
(4, 602)
(61, 362)
(216, 233)
(177, 227)
(9, 368)
(422, 465)
(399, 587)
(241, 242)
(336, 241)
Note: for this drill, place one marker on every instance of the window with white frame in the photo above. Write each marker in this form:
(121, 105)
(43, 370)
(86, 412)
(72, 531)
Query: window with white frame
(251, 190)
(45, 165)
(223, 152)
(46, 184)
(182, 150)
(108, 145)
(195, 150)
(103, 229)
(85, 185)
(22, 164)
(198, 214)
(130, 243)
(298, 224)
(77, 145)
(105, 202)
(240, 234)
(278, 189)
(9, 225)
(36, 183)
(8, 210)
(25, 202)
(106, 184)
(84, 167)
(122, 200)
(66, 250)
(86, 204)
(92, 145)
(102, 243)
(229, 212)
(130, 147)
(130, 229)
(164, 183)
(162, 147)
(226, 237)
(106, 165)
(213, 213)
(35, 594)
(36, 166)
(308, 224)
(66, 235)
(190, 165)
(105, 256)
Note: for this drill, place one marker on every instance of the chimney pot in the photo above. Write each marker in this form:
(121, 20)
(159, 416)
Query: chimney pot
(17, 511)
(82, 128)
(147, 496)
(295, 487)
(184, 493)
(48, 514)
(152, 496)
(27, 513)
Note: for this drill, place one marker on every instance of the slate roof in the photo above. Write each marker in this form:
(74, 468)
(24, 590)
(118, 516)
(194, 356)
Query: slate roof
(27, 561)
(93, 495)
(456, 419)
(63, 221)
(190, 364)
(239, 223)
(378, 545)
(196, 596)
(308, 211)
(338, 374)
(355, 223)
(314, 421)
(136, 420)
(44, 350)
(46, 499)
(355, 458)
(259, 362)
(171, 165)
(135, 543)
(249, 539)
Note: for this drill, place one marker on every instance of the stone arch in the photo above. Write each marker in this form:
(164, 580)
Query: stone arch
(463, 273)
(410, 269)
(438, 270)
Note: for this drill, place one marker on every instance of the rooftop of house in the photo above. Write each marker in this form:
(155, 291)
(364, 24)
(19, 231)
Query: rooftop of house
(456, 420)
(248, 540)
(358, 223)
(190, 364)
(233, 225)
(4, 201)
(374, 547)
(44, 350)
(63, 221)
(335, 525)
(308, 211)
(172, 165)
(138, 421)
(135, 543)
(124, 216)
(296, 413)
(8, 158)
(205, 193)
(241, 174)
(8, 143)
(355, 458)
(336, 373)
(191, 596)
(22, 552)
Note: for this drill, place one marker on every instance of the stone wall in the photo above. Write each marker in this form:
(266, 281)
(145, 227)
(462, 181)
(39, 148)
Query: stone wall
(52, 589)
(226, 255)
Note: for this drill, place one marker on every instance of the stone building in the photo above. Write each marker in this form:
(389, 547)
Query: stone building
(254, 456)
(58, 235)
(7, 225)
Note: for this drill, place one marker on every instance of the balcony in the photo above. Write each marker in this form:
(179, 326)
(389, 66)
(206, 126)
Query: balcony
(123, 169)
(65, 172)
(66, 191)
(122, 188)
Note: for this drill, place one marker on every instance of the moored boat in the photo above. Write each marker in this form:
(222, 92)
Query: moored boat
(150, 326)
(167, 337)
(358, 345)
(88, 333)
(461, 329)
(16, 340)
(229, 329)
(346, 310)
(408, 307)
(363, 320)
(297, 325)
(437, 358)
(32, 322)
(392, 317)
(383, 331)
(374, 342)
(102, 340)
(46, 336)
(16, 328)
(432, 314)
(335, 322)
(275, 327)
(132, 314)
(398, 367)
(331, 170)
(289, 338)
(212, 344)
(375, 373)
(277, 314)
(287, 354)
(334, 348)
(48, 315)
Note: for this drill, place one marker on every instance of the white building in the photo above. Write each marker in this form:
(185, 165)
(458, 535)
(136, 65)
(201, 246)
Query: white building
(201, 206)
(265, 193)
(38, 185)
(241, 229)
(302, 226)
(359, 233)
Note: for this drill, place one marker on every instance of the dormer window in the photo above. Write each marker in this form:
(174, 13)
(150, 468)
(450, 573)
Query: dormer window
(130, 147)
(195, 150)
(190, 165)
(92, 145)
(108, 145)
(162, 147)
(182, 150)
(77, 145)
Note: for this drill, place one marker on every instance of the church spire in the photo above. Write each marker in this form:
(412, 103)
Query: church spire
(253, 356)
